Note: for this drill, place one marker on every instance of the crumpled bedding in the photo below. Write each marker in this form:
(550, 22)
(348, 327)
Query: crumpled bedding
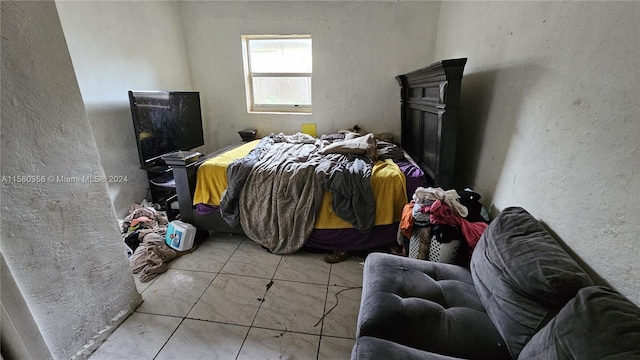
(277, 201)
(236, 175)
(351, 194)
(279, 186)
(389, 186)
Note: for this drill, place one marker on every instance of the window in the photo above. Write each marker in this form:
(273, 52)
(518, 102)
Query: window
(278, 73)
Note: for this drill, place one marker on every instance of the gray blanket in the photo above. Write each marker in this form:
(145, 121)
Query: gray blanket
(275, 192)
(237, 173)
(348, 177)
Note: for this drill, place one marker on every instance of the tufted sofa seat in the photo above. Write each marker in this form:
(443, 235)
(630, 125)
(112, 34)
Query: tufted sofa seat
(416, 297)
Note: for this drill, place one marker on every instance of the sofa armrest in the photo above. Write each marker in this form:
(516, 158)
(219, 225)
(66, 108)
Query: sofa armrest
(373, 348)
(598, 323)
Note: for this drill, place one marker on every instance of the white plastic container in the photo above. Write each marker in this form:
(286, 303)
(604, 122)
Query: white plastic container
(180, 235)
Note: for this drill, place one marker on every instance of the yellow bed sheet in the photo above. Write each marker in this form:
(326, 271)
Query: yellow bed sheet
(389, 191)
(211, 179)
(387, 182)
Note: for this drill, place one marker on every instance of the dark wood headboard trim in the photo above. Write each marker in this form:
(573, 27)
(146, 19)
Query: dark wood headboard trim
(430, 99)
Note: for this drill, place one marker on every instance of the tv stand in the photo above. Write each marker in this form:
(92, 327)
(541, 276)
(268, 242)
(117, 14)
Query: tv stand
(157, 168)
(183, 166)
(161, 185)
(164, 180)
(184, 172)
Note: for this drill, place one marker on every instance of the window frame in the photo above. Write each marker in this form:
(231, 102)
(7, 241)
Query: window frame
(252, 107)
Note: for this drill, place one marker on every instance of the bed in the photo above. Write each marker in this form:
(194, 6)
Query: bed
(428, 120)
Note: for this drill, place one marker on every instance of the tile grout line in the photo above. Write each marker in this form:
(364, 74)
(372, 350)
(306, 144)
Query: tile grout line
(169, 338)
(200, 297)
(259, 305)
(324, 308)
(212, 280)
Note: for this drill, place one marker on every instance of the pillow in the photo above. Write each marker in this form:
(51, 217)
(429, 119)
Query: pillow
(363, 145)
(532, 260)
(333, 136)
(523, 276)
(598, 323)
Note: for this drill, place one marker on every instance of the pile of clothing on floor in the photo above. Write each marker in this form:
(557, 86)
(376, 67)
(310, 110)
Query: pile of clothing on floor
(442, 225)
(144, 232)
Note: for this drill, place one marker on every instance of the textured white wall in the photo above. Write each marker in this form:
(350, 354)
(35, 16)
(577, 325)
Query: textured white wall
(551, 107)
(117, 46)
(60, 240)
(120, 45)
(358, 49)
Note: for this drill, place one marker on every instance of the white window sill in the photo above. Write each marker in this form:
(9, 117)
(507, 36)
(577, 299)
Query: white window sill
(279, 113)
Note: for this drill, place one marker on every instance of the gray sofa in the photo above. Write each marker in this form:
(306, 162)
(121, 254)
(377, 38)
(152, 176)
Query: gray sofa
(524, 297)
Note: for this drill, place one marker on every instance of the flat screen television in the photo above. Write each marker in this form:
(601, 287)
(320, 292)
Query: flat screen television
(165, 122)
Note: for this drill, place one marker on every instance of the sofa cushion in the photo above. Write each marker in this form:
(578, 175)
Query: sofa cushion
(428, 306)
(598, 323)
(523, 276)
(376, 349)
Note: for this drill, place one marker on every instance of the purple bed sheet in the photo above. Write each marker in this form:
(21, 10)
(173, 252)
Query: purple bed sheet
(352, 239)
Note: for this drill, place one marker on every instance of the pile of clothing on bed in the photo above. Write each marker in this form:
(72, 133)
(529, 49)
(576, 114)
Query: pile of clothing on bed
(144, 232)
(442, 226)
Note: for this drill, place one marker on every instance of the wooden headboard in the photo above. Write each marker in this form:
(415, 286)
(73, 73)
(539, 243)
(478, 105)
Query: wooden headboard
(430, 100)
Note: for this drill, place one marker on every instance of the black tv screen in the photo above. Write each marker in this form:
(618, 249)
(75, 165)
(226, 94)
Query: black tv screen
(164, 122)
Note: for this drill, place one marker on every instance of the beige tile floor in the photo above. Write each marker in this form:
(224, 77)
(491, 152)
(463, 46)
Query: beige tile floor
(216, 303)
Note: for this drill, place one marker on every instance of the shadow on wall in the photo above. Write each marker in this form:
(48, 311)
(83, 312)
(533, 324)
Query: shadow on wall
(476, 96)
(599, 280)
(490, 107)
(115, 138)
(18, 323)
